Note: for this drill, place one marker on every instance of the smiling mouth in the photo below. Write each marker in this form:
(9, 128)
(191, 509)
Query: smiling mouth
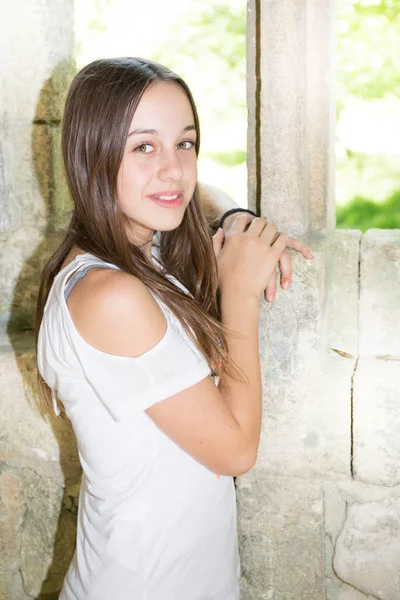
(168, 200)
(174, 197)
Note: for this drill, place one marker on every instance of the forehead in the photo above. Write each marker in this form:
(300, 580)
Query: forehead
(163, 105)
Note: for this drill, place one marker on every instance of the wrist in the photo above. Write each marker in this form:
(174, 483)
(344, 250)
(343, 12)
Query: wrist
(240, 300)
(233, 211)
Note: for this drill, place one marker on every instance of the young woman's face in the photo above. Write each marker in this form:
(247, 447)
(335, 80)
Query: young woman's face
(158, 172)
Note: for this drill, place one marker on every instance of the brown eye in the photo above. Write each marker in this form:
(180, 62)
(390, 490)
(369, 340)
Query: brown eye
(186, 145)
(144, 149)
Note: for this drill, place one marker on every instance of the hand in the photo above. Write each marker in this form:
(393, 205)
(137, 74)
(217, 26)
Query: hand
(285, 262)
(247, 255)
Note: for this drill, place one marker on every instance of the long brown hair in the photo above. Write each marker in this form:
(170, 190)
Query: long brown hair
(100, 105)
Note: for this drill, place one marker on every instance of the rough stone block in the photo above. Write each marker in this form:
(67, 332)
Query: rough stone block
(61, 204)
(307, 358)
(22, 257)
(46, 446)
(26, 156)
(336, 500)
(11, 516)
(35, 192)
(37, 533)
(296, 114)
(380, 293)
(47, 532)
(281, 538)
(376, 421)
(283, 92)
(338, 497)
(367, 553)
(341, 299)
(251, 92)
(34, 81)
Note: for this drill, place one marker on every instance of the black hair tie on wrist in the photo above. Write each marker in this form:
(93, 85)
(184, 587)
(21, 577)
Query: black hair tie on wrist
(233, 211)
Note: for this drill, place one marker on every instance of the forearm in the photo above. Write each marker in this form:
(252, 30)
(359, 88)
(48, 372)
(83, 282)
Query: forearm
(244, 396)
(214, 202)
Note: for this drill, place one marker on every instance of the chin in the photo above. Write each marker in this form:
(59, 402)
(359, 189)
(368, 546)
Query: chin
(168, 224)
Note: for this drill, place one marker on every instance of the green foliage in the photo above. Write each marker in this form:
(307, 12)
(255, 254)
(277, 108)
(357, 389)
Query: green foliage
(368, 64)
(363, 213)
(221, 32)
(368, 70)
(229, 158)
(211, 57)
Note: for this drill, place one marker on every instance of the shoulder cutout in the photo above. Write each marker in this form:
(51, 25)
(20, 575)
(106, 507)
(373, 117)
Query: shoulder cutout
(115, 312)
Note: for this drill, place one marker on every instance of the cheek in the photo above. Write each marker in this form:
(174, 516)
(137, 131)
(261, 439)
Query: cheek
(191, 168)
(133, 176)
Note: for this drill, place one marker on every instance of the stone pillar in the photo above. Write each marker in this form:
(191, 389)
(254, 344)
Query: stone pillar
(38, 461)
(318, 515)
(292, 108)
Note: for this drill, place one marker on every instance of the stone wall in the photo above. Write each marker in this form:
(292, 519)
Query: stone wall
(319, 515)
(39, 472)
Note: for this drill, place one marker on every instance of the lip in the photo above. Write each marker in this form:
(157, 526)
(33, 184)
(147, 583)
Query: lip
(175, 203)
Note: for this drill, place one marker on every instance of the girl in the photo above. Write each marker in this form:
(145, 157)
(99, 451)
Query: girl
(160, 381)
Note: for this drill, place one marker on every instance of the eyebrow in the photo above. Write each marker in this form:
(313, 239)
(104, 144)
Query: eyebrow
(154, 131)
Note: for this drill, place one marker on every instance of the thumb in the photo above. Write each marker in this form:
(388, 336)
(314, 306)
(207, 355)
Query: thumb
(218, 240)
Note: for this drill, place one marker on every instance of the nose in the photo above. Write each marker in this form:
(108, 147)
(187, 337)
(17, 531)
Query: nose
(170, 168)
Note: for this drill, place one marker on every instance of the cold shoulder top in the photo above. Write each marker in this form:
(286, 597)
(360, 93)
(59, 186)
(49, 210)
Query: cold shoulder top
(153, 524)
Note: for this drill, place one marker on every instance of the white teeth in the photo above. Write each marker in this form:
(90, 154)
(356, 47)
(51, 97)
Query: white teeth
(167, 197)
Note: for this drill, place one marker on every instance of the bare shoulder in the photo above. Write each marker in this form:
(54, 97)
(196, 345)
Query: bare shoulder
(115, 312)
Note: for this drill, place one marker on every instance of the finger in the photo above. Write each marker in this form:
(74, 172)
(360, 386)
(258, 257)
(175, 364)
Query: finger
(270, 292)
(279, 243)
(239, 223)
(257, 226)
(285, 265)
(218, 240)
(230, 219)
(300, 247)
(269, 234)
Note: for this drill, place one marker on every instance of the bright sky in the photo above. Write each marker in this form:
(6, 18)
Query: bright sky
(139, 28)
(131, 27)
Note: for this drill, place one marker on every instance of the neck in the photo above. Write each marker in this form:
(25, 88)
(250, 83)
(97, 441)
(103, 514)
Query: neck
(146, 247)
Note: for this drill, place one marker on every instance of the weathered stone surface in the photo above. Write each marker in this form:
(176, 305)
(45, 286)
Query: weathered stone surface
(36, 63)
(61, 204)
(376, 421)
(35, 190)
(46, 533)
(296, 129)
(281, 538)
(367, 553)
(346, 592)
(46, 446)
(26, 155)
(338, 496)
(307, 362)
(22, 258)
(320, 113)
(252, 87)
(11, 515)
(342, 290)
(380, 293)
(29, 509)
(34, 187)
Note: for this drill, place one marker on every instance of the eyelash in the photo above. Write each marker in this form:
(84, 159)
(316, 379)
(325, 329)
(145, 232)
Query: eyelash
(137, 149)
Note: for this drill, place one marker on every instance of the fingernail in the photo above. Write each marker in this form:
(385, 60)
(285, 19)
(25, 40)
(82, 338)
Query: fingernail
(271, 298)
(286, 284)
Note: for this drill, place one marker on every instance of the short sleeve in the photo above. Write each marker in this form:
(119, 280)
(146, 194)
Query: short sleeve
(128, 385)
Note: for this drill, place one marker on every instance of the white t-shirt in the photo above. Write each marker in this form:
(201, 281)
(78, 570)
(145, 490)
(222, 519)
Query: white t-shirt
(153, 524)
